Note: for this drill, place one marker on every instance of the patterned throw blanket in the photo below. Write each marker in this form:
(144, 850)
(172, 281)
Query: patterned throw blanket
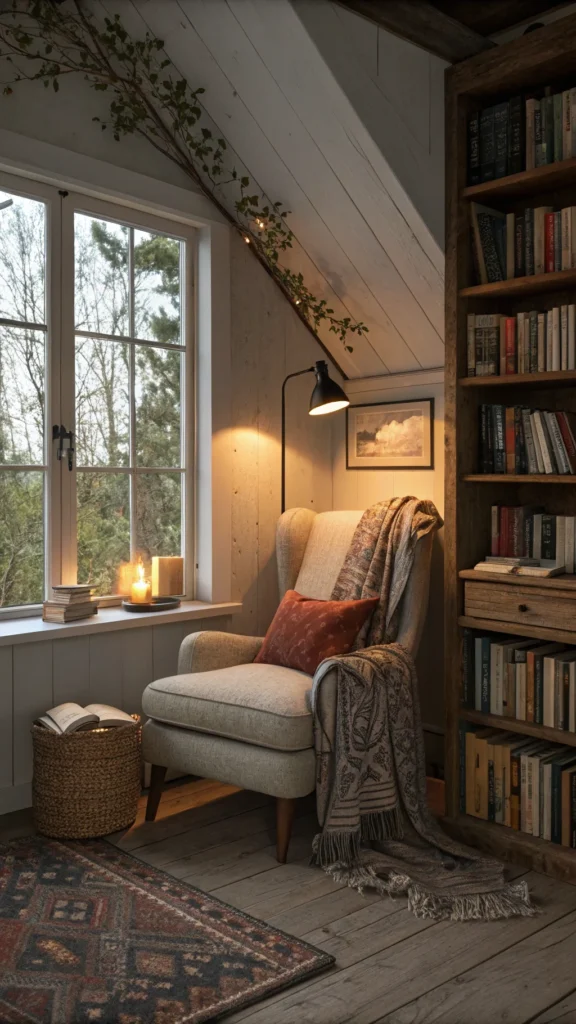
(377, 830)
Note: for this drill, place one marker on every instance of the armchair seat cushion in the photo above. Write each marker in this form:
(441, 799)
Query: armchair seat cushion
(266, 705)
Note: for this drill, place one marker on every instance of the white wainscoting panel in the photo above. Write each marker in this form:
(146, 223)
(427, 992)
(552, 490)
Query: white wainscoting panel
(111, 668)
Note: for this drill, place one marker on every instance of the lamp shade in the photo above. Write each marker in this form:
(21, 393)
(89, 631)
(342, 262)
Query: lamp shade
(327, 395)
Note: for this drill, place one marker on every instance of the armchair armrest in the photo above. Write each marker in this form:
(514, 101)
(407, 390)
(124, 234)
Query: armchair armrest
(210, 649)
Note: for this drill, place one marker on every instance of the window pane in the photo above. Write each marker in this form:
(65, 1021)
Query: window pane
(103, 528)
(159, 505)
(157, 287)
(101, 273)
(22, 370)
(22, 259)
(21, 538)
(157, 396)
(102, 402)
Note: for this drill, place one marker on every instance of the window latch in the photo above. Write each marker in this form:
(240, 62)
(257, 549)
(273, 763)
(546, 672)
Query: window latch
(59, 433)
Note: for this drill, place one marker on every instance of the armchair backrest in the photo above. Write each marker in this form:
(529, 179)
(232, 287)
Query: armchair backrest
(310, 550)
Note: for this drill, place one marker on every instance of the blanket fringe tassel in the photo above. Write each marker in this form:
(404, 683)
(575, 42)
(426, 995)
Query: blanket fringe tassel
(344, 846)
(513, 900)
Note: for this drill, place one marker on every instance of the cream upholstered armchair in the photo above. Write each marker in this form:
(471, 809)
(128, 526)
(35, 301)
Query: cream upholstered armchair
(223, 717)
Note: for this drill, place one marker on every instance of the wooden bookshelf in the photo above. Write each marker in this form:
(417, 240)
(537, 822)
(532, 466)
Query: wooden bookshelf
(525, 184)
(560, 280)
(544, 57)
(552, 378)
(520, 478)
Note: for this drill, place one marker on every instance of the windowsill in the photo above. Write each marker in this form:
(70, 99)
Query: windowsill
(20, 631)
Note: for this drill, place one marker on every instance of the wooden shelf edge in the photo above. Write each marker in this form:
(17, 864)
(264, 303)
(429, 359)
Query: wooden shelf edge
(550, 377)
(522, 285)
(561, 636)
(541, 732)
(516, 847)
(525, 182)
(520, 478)
(565, 582)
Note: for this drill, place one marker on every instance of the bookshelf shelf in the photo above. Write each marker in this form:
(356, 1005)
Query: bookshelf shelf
(524, 66)
(500, 841)
(550, 379)
(541, 732)
(527, 183)
(521, 478)
(559, 280)
(562, 636)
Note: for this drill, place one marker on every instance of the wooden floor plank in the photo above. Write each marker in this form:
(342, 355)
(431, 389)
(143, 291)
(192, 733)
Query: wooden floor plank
(562, 1012)
(412, 966)
(308, 913)
(276, 882)
(218, 833)
(512, 986)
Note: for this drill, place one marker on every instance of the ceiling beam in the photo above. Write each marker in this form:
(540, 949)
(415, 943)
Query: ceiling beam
(492, 16)
(423, 24)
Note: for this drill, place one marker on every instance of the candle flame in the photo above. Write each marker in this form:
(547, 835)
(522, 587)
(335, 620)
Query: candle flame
(140, 570)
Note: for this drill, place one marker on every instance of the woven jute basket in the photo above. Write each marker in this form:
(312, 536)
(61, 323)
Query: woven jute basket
(86, 784)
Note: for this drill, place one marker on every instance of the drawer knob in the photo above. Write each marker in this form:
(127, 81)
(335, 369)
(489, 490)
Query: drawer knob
(522, 607)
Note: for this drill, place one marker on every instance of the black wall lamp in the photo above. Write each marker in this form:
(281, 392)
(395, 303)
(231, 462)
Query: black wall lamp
(326, 397)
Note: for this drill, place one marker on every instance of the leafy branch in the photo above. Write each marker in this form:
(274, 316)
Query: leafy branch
(151, 99)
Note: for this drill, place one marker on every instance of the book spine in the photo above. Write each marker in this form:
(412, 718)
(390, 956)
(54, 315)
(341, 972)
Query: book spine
(485, 691)
(515, 791)
(567, 439)
(474, 149)
(519, 444)
(532, 466)
(533, 356)
(516, 142)
(530, 687)
(538, 710)
(539, 148)
(499, 451)
(558, 240)
(557, 105)
(549, 537)
(566, 126)
(563, 337)
(510, 343)
(510, 441)
(555, 339)
(487, 144)
(529, 241)
(471, 344)
(519, 247)
(500, 140)
(556, 831)
(566, 238)
(494, 531)
(549, 242)
(530, 148)
(558, 442)
(505, 550)
(468, 668)
(541, 342)
(492, 259)
(572, 336)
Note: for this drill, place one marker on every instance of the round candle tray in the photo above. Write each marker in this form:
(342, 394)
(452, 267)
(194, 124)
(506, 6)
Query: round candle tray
(157, 604)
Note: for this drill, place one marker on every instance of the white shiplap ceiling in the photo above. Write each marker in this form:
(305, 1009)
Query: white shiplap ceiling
(361, 243)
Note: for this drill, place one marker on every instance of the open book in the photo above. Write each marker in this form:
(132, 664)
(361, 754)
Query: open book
(67, 718)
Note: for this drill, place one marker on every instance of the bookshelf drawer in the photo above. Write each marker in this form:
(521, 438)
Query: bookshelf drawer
(555, 609)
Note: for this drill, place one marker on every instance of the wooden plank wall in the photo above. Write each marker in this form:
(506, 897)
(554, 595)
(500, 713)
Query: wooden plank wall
(268, 342)
(112, 668)
(359, 488)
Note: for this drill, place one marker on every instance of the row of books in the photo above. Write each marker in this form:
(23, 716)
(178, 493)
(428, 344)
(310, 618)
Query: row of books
(516, 440)
(517, 678)
(537, 240)
(529, 342)
(525, 784)
(521, 133)
(69, 604)
(530, 536)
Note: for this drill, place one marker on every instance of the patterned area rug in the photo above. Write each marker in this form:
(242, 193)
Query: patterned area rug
(90, 935)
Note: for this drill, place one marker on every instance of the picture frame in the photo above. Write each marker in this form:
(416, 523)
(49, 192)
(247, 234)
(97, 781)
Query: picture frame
(390, 435)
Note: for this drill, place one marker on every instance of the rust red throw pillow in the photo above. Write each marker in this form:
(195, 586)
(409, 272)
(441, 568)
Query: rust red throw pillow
(304, 631)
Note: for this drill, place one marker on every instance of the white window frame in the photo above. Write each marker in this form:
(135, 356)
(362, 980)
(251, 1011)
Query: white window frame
(39, 161)
(60, 517)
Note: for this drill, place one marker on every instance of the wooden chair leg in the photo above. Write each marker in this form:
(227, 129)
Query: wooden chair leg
(284, 817)
(157, 776)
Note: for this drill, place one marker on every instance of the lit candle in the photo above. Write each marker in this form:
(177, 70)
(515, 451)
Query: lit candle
(141, 589)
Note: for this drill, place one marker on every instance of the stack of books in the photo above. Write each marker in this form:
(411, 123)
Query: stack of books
(517, 678)
(530, 342)
(516, 440)
(537, 240)
(520, 134)
(69, 603)
(528, 785)
(527, 536)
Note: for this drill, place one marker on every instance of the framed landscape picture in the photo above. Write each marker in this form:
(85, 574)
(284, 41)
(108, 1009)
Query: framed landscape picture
(390, 435)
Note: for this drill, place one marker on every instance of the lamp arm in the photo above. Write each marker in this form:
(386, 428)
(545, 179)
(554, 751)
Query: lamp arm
(309, 369)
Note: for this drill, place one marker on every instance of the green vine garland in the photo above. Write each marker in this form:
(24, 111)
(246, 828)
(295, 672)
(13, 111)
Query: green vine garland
(149, 98)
